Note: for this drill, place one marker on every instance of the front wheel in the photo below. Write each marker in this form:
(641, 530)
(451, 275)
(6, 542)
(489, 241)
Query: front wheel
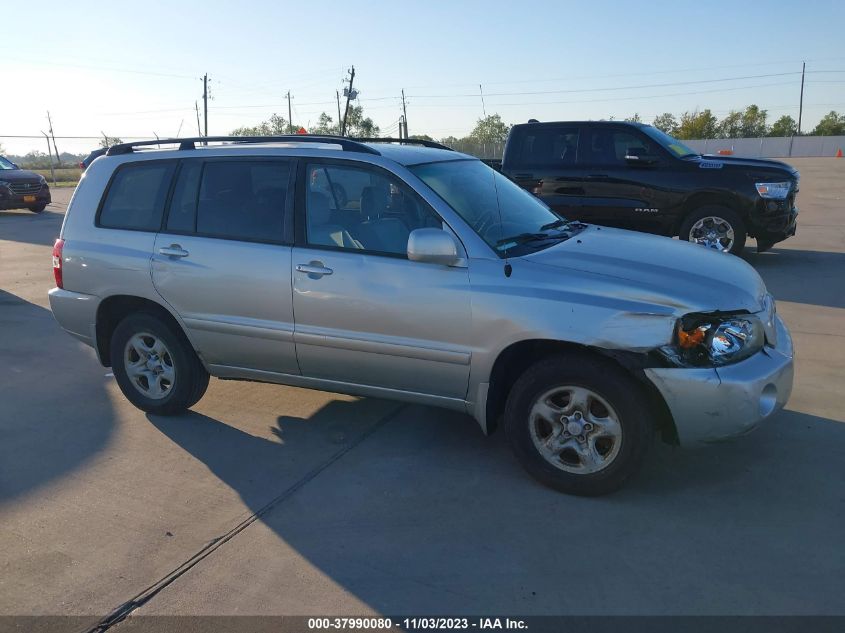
(579, 424)
(715, 227)
(38, 208)
(156, 367)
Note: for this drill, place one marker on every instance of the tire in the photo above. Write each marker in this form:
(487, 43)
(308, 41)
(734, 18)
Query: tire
(615, 396)
(175, 380)
(723, 217)
(38, 208)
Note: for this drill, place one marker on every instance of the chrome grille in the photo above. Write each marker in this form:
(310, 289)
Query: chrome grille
(21, 188)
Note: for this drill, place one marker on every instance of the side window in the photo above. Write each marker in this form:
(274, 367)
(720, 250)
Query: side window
(362, 209)
(548, 147)
(136, 196)
(237, 199)
(609, 147)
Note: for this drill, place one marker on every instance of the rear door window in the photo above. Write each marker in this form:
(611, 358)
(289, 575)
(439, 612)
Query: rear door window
(136, 196)
(548, 147)
(233, 199)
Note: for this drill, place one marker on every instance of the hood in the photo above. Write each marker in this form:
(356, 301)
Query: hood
(659, 271)
(19, 175)
(718, 161)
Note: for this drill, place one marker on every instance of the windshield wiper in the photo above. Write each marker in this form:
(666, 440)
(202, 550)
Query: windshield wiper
(554, 225)
(523, 238)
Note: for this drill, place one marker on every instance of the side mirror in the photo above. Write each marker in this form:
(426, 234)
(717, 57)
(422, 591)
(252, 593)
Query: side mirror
(434, 246)
(15, 166)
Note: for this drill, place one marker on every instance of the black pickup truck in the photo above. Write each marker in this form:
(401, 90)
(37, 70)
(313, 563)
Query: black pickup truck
(634, 176)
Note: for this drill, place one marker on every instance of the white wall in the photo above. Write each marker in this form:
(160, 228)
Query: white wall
(772, 146)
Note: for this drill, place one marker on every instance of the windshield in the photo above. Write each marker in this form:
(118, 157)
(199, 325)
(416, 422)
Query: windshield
(6, 164)
(500, 211)
(672, 144)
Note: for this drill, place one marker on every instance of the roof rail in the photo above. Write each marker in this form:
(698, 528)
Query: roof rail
(406, 141)
(347, 144)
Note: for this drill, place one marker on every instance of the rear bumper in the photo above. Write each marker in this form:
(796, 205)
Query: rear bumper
(76, 313)
(710, 405)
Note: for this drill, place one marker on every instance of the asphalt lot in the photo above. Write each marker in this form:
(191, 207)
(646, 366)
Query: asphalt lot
(274, 500)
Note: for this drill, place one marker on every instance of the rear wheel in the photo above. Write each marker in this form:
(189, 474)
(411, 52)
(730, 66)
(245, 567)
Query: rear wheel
(38, 208)
(579, 424)
(715, 227)
(156, 368)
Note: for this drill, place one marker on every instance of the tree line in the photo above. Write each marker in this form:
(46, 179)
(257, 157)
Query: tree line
(748, 123)
(491, 131)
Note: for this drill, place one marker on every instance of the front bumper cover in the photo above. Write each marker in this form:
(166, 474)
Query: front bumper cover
(10, 200)
(714, 404)
(769, 228)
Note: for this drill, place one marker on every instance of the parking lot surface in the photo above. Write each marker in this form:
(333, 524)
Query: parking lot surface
(275, 500)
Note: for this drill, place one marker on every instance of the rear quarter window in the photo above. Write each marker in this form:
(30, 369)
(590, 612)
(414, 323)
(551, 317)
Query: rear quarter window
(136, 196)
(549, 147)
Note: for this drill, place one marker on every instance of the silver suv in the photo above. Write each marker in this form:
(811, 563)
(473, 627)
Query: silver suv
(394, 270)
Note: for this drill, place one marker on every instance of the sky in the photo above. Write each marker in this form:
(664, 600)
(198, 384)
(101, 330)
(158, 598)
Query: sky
(133, 69)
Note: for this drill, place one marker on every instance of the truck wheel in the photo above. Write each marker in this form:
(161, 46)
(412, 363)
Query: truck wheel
(715, 227)
(579, 424)
(38, 208)
(156, 368)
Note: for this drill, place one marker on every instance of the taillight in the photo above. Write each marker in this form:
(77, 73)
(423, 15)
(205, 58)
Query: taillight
(57, 261)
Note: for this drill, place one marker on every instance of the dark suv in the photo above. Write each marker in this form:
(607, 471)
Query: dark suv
(22, 189)
(634, 176)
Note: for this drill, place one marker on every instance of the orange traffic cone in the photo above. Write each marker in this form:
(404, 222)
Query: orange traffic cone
(839, 153)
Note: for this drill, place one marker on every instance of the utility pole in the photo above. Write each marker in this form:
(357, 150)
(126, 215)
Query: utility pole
(404, 113)
(348, 97)
(50, 154)
(337, 93)
(58, 160)
(483, 109)
(801, 103)
(290, 117)
(205, 101)
(199, 129)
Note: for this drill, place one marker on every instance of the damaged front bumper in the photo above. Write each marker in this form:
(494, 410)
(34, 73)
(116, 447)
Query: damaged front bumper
(713, 404)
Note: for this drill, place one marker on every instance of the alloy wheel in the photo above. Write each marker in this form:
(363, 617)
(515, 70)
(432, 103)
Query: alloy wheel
(575, 429)
(713, 232)
(149, 365)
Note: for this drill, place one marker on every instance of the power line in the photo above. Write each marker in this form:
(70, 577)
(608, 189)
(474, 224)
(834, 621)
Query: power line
(640, 74)
(51, 63)
(609, 88)
(606, 99)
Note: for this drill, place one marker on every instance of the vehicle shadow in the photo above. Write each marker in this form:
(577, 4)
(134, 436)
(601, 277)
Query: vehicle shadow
(249, 464)
(801, 276)
(47, 427)
(428, 516)
(31, 228)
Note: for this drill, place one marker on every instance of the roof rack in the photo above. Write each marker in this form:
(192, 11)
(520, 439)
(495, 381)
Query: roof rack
(406, 141)
(347, 144)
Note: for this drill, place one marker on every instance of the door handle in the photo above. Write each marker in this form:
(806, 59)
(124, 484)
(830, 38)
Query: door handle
(314, 268)
(598, 176)
(523, 175)
(174, 250)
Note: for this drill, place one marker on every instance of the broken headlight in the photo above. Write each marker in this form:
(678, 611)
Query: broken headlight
(715, 340)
